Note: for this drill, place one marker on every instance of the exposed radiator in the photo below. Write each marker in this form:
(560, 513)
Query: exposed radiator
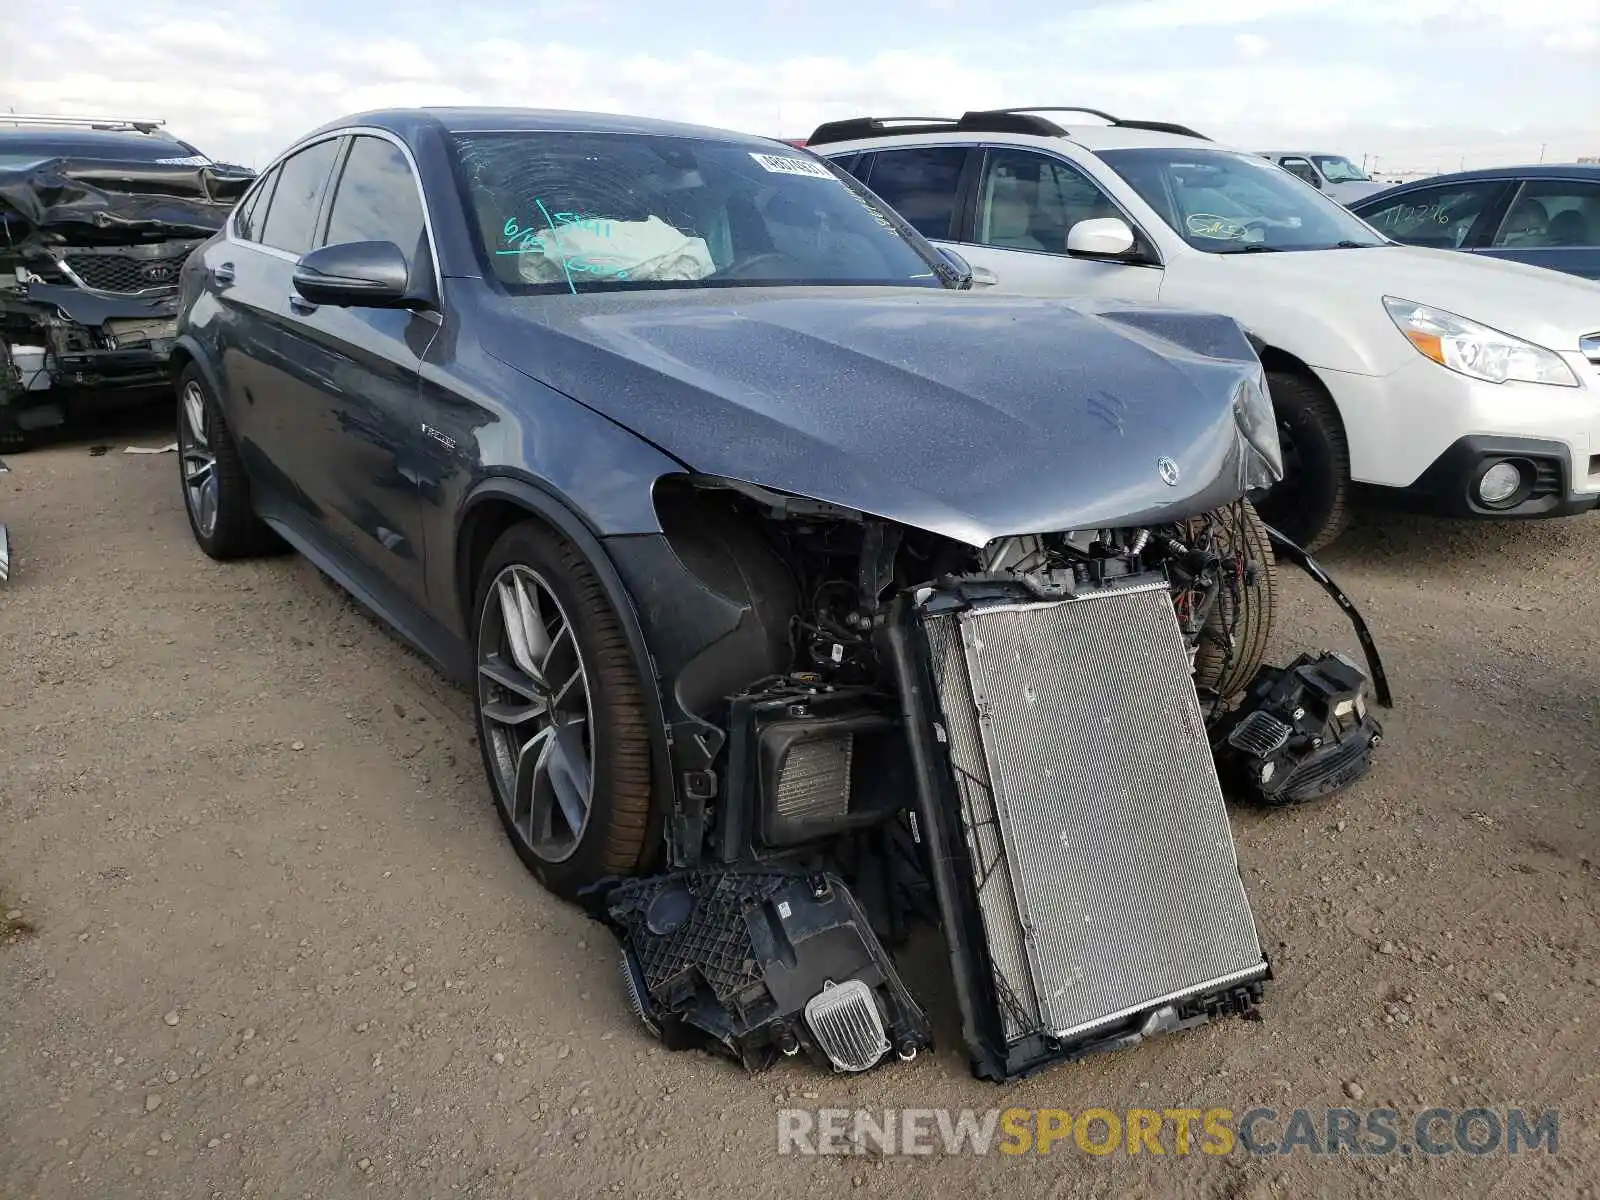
(1104, 863)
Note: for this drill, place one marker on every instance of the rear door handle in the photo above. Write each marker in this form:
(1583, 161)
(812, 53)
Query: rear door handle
(299, 304)
(222, 273)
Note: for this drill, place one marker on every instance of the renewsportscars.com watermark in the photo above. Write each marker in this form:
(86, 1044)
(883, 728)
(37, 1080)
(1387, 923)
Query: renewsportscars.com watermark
(1262, 1132)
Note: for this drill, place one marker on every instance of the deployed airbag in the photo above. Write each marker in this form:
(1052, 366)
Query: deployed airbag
(598, 249)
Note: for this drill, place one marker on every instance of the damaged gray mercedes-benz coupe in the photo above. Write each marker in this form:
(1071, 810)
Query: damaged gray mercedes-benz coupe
(96, 218)
(805, 595)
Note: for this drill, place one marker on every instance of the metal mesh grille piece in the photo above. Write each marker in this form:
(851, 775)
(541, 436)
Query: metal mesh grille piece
(996, 896)
(814, 782)
(1126, 882)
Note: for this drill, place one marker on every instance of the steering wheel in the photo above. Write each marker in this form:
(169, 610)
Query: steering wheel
(737, 268)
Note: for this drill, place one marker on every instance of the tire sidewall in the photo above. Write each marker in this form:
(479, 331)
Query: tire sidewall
(1305, 511)
(528, 546)
(211, 543)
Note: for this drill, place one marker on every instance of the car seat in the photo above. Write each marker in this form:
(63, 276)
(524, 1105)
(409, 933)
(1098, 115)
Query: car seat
(1009, 213)
(1568, 228)
(1528, 224)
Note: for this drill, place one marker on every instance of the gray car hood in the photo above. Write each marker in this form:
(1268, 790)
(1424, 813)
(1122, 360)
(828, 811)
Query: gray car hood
(967, 414)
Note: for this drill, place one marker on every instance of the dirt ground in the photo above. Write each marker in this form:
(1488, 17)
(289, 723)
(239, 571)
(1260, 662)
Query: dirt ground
(264, 937)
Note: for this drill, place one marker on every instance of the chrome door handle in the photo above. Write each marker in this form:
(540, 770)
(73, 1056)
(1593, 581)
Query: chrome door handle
(299, 304)
(222, 272)
(984, 277)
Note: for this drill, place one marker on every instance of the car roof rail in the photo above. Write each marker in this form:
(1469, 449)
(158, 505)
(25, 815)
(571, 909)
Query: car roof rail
(995, 121)
(135, 124)
(864, 127)
(990, 120)
(1120, 122)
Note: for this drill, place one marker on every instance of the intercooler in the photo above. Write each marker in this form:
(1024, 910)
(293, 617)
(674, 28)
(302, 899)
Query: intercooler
(1104, 887)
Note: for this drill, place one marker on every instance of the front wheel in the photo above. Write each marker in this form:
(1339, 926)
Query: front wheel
(561, 715)
(1309, 505)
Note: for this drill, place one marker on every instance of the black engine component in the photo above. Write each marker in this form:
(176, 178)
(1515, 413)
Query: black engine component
(753, 964)
(1302, 732)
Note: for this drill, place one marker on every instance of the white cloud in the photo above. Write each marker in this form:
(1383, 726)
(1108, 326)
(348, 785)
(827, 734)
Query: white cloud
(243, 82)
(389, 58)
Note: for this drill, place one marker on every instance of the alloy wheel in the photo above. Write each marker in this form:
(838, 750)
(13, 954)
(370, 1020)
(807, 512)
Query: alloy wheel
(199, 461)
(538, 715)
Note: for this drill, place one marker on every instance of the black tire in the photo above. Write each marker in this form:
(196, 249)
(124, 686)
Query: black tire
(613, 840)
(1251, 616)
(236, 531)
(1310, 505)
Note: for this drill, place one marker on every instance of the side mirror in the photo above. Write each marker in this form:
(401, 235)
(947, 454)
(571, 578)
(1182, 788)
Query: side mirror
(958, 264)
(355, 275)
(1100, 237)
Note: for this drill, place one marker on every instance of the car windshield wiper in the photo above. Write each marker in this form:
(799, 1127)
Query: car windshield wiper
(1258, 248)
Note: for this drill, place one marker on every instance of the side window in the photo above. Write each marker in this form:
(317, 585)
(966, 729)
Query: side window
(377, 198)
(248, 221)
(291, 216)
(1029, 201)
(858, 165)
(1441, 217)
(1552, 212)
(920, 184)
(1303, 168)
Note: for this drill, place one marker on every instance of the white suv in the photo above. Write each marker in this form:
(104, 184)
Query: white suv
(1445, 381)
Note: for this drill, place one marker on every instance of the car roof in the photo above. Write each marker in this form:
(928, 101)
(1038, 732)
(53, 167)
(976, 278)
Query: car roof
(1530, 171)
(1094, 138)
(406, 121)
(1304, 153)
(110, 145)
(1584, 171)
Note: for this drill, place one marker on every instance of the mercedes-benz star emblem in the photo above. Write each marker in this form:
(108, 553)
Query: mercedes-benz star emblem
(1169, 471)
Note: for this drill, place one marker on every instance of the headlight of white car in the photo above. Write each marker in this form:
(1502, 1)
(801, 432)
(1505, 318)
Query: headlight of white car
(1252, 412)
(1474, 349)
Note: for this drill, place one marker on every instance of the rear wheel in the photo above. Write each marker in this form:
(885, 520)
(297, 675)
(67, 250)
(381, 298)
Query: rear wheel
(561, 716)
(1309, 505)
(216, 493)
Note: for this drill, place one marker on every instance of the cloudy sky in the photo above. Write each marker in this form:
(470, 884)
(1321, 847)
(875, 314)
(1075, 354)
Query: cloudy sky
(1421, 84)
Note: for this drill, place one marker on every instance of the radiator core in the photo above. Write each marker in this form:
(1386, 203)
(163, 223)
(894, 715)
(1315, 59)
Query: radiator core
(1103, 859)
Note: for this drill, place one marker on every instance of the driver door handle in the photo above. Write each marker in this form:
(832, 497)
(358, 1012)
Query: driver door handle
(222, 273)
(299, 304)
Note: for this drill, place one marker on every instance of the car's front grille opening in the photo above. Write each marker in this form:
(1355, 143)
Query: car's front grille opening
(111, 271)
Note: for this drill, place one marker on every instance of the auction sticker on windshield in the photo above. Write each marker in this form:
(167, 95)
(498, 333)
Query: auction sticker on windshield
(782, 164)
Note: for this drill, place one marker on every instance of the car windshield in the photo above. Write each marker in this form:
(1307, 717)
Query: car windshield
(579, 212)
(1338, 169)
(1228, 203)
